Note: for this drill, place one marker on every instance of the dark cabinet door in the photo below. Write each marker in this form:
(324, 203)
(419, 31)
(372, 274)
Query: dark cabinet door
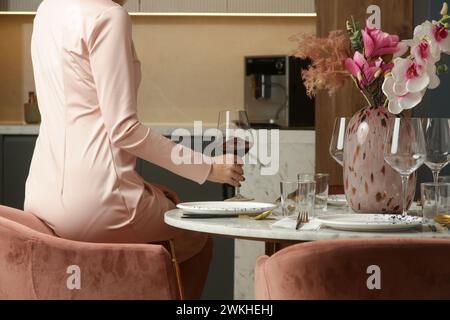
(16, 157)
(187, 190)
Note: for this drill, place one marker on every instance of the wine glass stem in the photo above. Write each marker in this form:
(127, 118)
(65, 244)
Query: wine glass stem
(238, 192)
(405, 179)
(436, 181)
(436, 176)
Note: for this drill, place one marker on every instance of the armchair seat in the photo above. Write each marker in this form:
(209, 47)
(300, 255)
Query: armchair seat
(36, 264)
(343, 269)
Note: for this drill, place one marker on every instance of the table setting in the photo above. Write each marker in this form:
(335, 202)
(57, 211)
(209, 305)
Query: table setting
(408, 144)
(304, 202)
(279, 220)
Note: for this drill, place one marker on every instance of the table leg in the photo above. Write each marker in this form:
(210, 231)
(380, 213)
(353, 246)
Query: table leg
(274, 247)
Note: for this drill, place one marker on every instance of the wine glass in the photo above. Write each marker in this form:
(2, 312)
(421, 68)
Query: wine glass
(338, 140)
(405, 149)
(235, 138)
(437, 138)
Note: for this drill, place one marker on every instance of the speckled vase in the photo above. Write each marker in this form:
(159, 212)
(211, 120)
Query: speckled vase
(371, 185)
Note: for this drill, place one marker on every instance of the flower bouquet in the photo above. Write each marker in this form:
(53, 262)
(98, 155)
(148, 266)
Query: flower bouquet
(393, 76)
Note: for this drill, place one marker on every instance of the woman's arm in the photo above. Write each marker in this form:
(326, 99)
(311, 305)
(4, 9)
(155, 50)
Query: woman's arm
(112, 64)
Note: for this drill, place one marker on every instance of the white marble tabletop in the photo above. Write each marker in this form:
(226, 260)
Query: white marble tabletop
(263, 230)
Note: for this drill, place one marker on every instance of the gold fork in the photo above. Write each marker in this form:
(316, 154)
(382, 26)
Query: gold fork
(302, 218)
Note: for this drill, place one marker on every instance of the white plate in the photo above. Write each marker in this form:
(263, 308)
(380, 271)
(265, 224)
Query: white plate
(370, 222)
(338, 200)
(226, 208)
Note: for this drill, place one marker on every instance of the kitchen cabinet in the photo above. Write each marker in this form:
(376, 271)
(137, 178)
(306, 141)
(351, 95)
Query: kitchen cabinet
(228, 6)
(19, 5)
(191, 6)
(270, 6)
(16, 155)
(199, 6)
(132, 5)
(16, 152)
(32, 5)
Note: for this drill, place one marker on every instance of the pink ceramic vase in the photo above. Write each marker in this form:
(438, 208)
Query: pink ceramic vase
(371, 185)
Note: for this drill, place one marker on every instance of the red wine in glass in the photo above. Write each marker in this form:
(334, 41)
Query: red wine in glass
(236, 146)
(229, 122)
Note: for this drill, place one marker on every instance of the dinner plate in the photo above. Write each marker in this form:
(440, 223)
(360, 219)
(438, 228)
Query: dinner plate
(338, 200)
(226, 208)
(370, 222)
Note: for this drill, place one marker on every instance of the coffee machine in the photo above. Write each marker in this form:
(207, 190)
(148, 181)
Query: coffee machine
(274, 93)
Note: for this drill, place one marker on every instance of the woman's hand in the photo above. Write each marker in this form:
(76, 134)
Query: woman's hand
(227, 169)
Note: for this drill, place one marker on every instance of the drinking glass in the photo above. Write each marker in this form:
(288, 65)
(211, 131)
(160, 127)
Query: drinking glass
(322, 187)
(338, 140)
(405, 149)
(289, 197)
(437, 138)
(306, 198)
(234, 138)
(435, 200)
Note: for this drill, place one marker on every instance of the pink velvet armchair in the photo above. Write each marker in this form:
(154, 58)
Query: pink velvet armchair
(35, 264)
(347, 269)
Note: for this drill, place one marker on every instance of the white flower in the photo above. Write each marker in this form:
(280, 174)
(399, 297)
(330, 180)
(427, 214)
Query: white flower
(409, 76)
(437, 35)
(421, 51)
(399, 102)
(406, 85)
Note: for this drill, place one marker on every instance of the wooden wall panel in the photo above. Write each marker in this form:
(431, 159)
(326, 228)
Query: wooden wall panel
(396, 18)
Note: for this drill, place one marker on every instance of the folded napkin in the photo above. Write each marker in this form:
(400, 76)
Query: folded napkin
(290, 223)
(434, 227)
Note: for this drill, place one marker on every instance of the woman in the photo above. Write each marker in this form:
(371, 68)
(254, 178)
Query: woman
(82, 181)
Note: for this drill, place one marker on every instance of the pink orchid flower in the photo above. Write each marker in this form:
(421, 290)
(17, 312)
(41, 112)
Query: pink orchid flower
(410, 76)
(399, 102)
(438, 36)
(366, 73)
(378, 43)
(422, 52)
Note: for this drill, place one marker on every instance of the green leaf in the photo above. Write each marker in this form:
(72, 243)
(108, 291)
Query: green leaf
(355, 34)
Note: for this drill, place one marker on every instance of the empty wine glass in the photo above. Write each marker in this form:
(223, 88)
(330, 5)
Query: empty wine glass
(338, 140)
(405, 149)
(235, 139)
(437, 138)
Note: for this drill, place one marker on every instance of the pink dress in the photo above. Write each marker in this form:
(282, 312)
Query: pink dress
(82, 181)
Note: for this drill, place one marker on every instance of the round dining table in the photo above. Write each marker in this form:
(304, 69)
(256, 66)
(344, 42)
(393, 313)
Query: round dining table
(276, 238)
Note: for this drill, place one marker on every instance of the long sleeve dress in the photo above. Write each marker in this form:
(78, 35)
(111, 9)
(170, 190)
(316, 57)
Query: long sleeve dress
(82, 181)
